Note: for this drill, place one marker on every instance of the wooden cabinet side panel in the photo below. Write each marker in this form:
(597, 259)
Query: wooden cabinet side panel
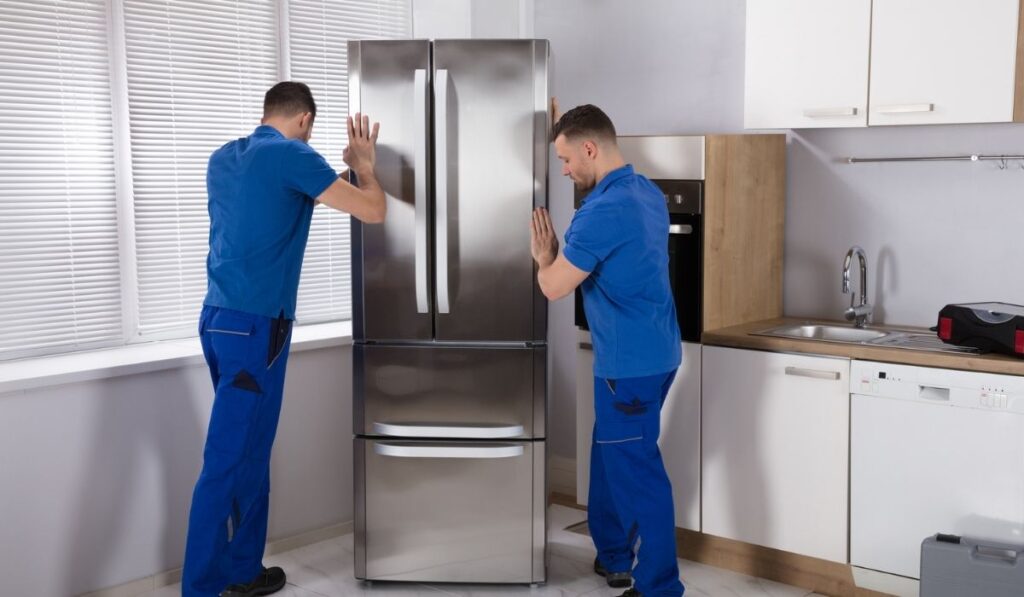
(744, 219)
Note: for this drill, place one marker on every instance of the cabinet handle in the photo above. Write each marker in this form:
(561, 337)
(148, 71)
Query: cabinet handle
(815, 373)
(905, 108)
(586, 346)
(830, 112)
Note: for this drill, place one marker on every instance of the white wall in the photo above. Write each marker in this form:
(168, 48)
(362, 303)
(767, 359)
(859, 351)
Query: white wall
(97, 477)
(656, 67)
(934, 233)
(487, 19)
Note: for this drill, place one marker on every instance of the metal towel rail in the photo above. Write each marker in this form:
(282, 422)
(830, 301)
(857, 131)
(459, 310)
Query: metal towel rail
(1003, 159)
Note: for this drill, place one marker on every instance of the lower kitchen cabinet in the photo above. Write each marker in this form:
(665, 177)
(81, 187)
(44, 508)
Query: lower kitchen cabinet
(680, 431)
(775, 450)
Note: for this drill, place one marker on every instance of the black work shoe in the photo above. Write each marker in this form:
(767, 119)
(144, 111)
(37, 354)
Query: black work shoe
(271, 580)
(614, 579)
(631, 592)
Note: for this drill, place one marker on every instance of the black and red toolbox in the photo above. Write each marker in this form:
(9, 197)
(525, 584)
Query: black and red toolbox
(989, 327)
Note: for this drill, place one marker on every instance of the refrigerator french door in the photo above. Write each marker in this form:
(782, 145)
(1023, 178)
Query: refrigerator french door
(449, 362)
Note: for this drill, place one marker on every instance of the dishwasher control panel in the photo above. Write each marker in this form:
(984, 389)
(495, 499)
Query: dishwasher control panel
(966, 389)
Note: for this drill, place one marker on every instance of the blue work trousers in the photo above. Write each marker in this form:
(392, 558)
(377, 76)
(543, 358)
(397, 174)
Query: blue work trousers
(227, 526)
(630, 494)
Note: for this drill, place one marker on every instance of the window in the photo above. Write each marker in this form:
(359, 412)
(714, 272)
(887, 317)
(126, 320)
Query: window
(59, 270)
(103, 222)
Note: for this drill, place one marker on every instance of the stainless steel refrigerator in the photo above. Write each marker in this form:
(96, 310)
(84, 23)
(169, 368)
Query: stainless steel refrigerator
(449, 362)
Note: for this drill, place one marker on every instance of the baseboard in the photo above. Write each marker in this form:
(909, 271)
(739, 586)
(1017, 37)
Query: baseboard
(169, 577)
(821, 576)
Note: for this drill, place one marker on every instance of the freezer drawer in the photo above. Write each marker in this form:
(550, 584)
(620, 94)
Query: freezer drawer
(433, 511)
(449, 392)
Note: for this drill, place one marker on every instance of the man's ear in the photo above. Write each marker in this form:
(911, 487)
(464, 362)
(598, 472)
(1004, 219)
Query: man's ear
(590, 148)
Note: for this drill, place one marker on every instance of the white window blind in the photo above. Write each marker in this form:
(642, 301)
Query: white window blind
(197, 72)
(318, 34)
(59, 273)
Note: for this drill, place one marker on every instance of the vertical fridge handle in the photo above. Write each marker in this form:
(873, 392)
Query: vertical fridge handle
(420, 184)
(441, 185)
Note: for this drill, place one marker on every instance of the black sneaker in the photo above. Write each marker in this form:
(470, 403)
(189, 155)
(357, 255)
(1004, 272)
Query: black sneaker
(614, 579)
(271, 580)
(631, 592)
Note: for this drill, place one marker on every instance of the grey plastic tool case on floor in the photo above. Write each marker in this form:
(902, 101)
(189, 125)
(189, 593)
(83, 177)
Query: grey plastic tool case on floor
(954, 566)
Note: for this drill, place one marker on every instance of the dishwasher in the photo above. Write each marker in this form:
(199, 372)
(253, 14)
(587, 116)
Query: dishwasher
(932, 451)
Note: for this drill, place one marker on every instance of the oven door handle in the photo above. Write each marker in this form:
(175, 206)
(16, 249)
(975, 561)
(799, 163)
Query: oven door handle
(680, 229)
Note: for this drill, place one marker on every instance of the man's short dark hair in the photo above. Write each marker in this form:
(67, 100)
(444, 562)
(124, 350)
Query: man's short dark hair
(288, 98)
(585, 121)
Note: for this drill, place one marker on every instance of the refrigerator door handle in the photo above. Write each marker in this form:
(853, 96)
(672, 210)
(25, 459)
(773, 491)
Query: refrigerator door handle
(448, 431)
(420, 184)
(441, 184)
(397, 450)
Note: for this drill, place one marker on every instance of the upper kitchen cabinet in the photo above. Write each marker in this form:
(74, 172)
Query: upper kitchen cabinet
(944, 61)
(931, 62)
(807, 63)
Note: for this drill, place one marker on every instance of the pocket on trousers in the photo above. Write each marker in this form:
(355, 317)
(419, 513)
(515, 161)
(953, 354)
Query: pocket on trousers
(230, 336)
(619, 433)
(228, 323)
(280, 332)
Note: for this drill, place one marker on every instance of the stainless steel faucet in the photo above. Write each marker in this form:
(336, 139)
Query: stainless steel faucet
(860, 314)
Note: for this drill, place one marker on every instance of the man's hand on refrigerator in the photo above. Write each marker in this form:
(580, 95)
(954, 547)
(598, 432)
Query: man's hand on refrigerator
(543, 242)
(361, 152)
(555, 113)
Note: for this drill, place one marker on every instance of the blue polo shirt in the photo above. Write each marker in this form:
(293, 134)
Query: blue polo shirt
(620, 236)
(261, 191)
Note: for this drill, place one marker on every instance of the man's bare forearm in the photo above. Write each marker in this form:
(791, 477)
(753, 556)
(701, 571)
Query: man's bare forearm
(372, 192)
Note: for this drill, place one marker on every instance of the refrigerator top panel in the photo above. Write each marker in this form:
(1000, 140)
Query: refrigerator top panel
(390, 80)
(491, 126)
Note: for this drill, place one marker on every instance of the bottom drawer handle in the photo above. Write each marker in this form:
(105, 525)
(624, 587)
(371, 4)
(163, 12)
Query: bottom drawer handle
(447, 451)
(448, 431)
(815, 373)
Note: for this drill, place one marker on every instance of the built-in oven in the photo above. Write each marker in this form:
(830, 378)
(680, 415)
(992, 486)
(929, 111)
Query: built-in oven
(684, 199)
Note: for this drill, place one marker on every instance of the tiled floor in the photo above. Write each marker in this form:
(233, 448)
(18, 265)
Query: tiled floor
(325, 570)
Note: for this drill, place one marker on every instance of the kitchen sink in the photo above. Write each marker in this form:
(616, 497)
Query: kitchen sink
(893, 338)
(831, 333)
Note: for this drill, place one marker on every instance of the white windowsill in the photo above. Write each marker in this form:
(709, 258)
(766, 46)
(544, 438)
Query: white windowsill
(39, 372)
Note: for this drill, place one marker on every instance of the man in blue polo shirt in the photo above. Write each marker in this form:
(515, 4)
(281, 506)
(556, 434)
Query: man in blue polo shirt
(262, 190)
(616, 249)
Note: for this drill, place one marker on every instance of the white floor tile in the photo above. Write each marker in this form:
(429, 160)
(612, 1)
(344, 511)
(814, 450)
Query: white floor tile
(325, 569)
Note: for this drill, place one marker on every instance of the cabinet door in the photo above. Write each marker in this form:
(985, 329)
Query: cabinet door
(806, 63)
(942, 61)
(680, 431)
(680, 438)
(775, 446)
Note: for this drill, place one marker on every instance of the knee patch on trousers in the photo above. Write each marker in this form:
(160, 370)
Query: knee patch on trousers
(245, 381)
